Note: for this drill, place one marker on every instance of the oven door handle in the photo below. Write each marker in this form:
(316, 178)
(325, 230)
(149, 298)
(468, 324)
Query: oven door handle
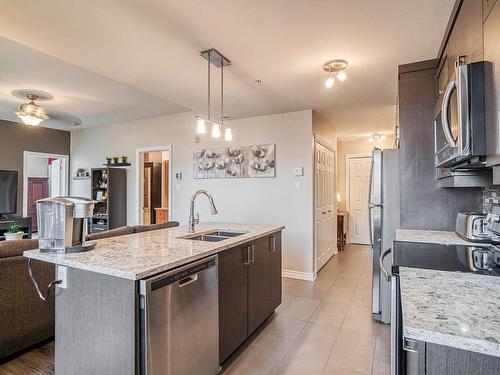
(444, 113)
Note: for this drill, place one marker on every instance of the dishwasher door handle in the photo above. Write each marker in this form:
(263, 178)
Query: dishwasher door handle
(188, 280)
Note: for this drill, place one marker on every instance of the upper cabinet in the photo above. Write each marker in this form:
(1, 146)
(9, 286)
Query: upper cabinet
(487, 7)
(465, 39)
(492, 83)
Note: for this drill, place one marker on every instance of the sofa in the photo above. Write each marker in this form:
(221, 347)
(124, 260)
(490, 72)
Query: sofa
(25, 319)
(121, 231)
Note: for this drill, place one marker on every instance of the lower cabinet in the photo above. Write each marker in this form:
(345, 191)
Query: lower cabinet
(249, 290)
(423, 358)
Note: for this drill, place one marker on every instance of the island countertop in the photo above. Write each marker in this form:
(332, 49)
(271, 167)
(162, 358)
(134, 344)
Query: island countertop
(455, 309)
(139, 255)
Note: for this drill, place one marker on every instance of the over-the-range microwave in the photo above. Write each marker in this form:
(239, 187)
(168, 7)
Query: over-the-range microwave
(459, 125)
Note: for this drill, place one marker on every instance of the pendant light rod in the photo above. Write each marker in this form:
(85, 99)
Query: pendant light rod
(222, 94)
(209, 62)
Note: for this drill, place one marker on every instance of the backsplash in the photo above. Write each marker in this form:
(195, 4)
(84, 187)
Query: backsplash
(491, 196)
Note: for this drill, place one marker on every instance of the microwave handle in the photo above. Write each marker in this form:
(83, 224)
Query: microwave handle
(444, 113)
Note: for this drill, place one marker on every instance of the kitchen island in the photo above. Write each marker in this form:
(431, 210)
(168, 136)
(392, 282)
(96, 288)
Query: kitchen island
(101, 307)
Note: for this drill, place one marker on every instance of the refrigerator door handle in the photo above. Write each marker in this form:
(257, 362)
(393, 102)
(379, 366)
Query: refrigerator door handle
(371, 206)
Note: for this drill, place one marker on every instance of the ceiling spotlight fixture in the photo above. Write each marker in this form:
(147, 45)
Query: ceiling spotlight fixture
(31, 113)
(216, 58)
(336, 69)
(376, 137)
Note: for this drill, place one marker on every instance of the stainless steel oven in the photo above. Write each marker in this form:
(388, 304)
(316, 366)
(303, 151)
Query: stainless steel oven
(459, 125)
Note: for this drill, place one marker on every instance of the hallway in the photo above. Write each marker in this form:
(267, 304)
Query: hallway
(322, 327)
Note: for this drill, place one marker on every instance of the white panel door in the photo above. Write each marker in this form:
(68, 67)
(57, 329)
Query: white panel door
(359, 178)
(57, 174)
(325, 213)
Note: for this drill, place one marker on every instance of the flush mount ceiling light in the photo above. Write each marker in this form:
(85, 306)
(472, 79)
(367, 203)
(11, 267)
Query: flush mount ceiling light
(376, 137)
(216, 58)
(31, 113)
(335, 69)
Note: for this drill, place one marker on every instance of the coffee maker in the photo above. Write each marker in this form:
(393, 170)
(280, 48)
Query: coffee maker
(62, 224)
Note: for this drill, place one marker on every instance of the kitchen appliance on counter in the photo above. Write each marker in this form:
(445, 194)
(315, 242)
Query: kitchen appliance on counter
(179, 321)
(62, 224)
(484, 260)
(472, 226)
(383, 215)
(459, 125)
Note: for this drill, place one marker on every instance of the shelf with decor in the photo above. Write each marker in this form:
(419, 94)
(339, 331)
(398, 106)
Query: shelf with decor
(109, 189)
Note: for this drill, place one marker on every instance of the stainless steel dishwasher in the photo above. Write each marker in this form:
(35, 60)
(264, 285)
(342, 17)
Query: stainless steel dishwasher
(179, 321)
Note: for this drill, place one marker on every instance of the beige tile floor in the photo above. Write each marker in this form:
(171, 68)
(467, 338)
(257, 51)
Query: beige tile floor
(322, 327)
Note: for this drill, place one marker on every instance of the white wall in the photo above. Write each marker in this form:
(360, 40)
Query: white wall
(256, 200)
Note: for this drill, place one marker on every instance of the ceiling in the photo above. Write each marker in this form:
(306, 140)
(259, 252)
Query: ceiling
(143, 56)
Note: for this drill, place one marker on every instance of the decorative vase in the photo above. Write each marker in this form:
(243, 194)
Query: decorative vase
(116, 159)
(124, 159)
(108, 160)
(13, 236)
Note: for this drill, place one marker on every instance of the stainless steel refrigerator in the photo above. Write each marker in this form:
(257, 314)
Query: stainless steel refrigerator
(383, 215)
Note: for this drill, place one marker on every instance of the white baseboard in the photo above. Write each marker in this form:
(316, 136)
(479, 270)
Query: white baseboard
(299, 275)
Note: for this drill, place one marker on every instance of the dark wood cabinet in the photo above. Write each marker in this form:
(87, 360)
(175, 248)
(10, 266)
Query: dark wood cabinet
(276, 265)
(492, 84)
(487, 6)
(233, 286)
(444, 360)
(249, 290)
(259, 283)
(466, 37)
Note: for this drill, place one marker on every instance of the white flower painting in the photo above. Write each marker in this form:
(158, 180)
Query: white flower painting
(235, 162)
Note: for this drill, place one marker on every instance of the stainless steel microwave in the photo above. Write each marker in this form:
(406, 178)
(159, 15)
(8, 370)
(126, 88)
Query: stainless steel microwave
(459, 125)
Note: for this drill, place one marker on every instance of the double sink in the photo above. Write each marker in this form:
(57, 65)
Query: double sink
(215, 236)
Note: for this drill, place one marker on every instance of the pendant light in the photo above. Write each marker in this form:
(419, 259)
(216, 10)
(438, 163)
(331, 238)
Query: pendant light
(214, 57)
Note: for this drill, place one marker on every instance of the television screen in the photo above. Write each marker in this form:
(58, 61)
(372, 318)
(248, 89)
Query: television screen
(8, 192)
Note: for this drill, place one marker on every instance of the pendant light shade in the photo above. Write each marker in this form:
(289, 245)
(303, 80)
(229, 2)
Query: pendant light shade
(201, 128)
(228, 134)
(215, 130)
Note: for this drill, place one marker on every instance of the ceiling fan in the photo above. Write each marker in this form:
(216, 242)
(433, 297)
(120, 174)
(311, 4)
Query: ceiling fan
(32, 114)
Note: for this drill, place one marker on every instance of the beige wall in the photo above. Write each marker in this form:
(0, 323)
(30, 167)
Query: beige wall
(285, 199)
(356, 146)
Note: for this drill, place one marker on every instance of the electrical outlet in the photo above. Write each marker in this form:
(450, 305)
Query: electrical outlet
(62, 274)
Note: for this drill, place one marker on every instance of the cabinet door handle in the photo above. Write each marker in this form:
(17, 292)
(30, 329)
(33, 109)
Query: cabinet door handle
(248, 262)
(410, 346)
(253, 253)
(273, 243)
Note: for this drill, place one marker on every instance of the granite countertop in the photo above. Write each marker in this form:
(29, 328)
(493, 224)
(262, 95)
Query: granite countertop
(460, 310)
(431, 236)
(139, 255)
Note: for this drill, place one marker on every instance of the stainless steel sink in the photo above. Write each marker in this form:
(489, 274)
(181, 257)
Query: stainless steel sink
(215, 236)
(208, 238)
(225, 233)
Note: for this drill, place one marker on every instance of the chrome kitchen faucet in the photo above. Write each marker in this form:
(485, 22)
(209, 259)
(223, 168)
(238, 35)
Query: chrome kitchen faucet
(195, 220)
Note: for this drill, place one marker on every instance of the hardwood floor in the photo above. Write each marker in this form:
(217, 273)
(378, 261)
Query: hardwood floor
(321, 328)
(38, 361)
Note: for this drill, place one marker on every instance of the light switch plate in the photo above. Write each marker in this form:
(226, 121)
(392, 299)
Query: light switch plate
(298, 171)
(297, 185)
(178, 187)
(178, 175)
